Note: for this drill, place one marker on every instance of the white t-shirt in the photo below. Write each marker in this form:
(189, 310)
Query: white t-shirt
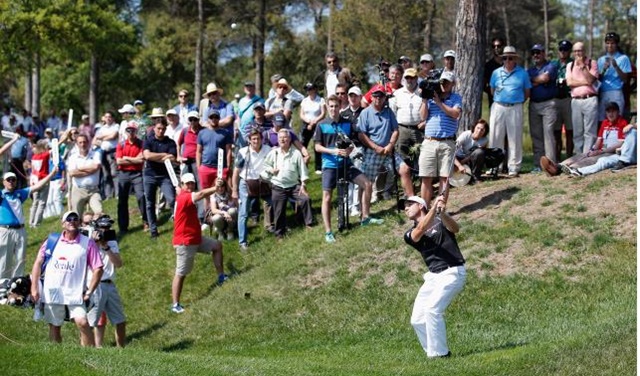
(465, 143)
(108, 145)
(78, 161)
(312, 108)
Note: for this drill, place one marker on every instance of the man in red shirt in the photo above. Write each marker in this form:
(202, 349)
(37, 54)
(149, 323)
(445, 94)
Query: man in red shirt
(129, 160)
(188, 239)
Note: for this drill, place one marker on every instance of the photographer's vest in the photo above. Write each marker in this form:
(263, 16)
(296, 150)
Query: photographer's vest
(66, 272)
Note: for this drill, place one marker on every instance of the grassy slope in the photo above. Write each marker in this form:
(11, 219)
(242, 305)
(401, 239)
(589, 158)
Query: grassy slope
(302, 307)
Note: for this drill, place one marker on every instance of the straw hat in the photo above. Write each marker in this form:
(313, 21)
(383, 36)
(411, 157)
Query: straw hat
(460, 179)
(157, 112)
(211, 88)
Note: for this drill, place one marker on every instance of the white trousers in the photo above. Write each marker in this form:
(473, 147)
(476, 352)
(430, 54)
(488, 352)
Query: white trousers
(507, 120)
(432, 300)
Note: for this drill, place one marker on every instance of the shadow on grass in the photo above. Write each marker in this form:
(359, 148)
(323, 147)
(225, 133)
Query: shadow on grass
(504, 346)
(492, 199)
(145, 332)
(185, 344)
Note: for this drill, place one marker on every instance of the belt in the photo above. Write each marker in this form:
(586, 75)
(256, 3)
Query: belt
(89, 187)
(443, 268)
(506, 104)
(106, 281)
(409, 126)
(12, 227)
(439, 139)
(585, 96)
(542, 100)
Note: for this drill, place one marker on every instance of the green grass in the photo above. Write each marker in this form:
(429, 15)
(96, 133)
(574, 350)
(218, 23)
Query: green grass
(303, 307)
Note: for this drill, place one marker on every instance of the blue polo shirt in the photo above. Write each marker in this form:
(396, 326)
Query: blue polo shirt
(326, 134)
(377, 125)
(19, 148)
(610, 79)
(225, 109)
(154, 145)
(211, 140)
(509, 86)
(11, 206)
(546, 91)
(439, 124)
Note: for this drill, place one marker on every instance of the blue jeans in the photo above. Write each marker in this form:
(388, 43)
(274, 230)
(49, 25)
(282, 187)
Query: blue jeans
(246, 203)
(151, 185)
(627, 155)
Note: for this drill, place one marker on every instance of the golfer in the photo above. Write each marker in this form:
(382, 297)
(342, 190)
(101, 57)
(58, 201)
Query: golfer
(433, 235)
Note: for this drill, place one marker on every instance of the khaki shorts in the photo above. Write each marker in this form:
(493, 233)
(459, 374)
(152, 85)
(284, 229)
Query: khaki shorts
(54, 314)
(436, 158)
(186, 254)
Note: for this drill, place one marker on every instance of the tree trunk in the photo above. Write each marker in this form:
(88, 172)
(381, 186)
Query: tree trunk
(332, 9)
(35, 88)
(545, 9)
(428, 25)
(590, 28)
(505, 19)
(260, 49)
(197, 81)
(94, 84)
(27, 90)
(470, 44)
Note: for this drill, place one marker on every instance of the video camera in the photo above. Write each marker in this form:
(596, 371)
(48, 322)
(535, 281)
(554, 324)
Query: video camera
(429, 87)
(100, 229)
(343, 141)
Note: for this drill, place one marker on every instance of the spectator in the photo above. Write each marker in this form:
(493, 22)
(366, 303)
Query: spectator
(184, 107)
(174, 127)
(188, 239)
(106, 139)
(246, 107)
(280, 103)
(329, 140)
(563, 101)
(542, 107)
(510, 87)
(427, 68)
(106, 298)
(157, 148)
(63, 269)
(213, 101)
(437, 153)
(271, 137)
(130, 160)
(495, 62)
(394, 83)
(39, 171)
(224, 214)
(83, 168)
(86, 127)
(211, 139)
(610, 138)
(615, 70)
(335, 74)
(287, 172)
(57, 187)
(127, 111)
(13, 236)
(582, 75)
(472, 150)
(293, 95)
(19, 149)
(405, 104)
(628, 155)
(312, 111)
(351, 114)
(247, 186)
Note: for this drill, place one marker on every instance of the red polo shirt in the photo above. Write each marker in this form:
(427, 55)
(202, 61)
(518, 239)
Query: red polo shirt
(186, 225)
(189, 141)
(129, 149)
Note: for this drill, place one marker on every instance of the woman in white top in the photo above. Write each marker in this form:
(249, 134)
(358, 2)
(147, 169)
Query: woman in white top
(312, 111)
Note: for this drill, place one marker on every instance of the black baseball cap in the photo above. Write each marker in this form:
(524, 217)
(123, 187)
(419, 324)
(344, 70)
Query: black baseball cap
(565, 45)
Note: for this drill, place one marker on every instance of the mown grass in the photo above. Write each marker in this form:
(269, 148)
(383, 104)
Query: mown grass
(307, 308)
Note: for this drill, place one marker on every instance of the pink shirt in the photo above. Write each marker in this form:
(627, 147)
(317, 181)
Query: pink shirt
(578, 74)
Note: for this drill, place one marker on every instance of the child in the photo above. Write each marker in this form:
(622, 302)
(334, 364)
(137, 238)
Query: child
(39, 170)
(224, 214)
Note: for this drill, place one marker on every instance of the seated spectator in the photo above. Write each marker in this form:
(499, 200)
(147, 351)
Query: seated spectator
(627, 157)
(610, 138)
(224, 213)
(472, 150)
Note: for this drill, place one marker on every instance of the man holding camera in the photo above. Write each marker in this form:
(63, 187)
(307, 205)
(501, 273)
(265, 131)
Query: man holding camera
(333, 139)
(65, 264)
(106, 298)
(437, 153)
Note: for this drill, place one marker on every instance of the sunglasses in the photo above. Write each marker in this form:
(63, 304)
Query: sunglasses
(131, 130)
(497, 46)
(72, 219)
(12, 180)
(509, 58)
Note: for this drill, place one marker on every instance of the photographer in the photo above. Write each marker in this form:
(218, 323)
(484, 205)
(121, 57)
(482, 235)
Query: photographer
(106, 298)
(437, 153)
(333, 139)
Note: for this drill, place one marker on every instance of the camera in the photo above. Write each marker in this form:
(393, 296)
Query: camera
(343, 141)
(100, 229)
(429, 87)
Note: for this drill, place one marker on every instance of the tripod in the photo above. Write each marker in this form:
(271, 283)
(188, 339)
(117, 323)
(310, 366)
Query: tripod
(343, 198)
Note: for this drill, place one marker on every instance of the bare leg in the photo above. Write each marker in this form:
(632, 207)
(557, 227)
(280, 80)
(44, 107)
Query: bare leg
(326, 210)
(405, 180)
(426, 190)
(98, 333)
(86, 334)
(216, 255)
(55, 334)
(176, 288)
(121, 334)
(366, 187)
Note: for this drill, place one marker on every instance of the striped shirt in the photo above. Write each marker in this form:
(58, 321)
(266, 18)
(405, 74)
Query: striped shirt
(439, 124)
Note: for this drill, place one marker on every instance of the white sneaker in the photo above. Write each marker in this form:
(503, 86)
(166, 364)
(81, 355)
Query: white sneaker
(355, 213)
(318, 172)
(204, 227)
(177, 308)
